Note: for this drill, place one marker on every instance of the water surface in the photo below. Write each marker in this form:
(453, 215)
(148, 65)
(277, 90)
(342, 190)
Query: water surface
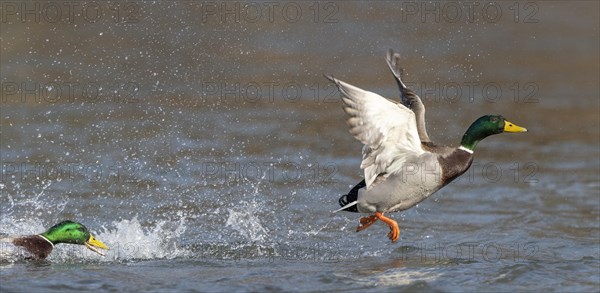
(208, 151)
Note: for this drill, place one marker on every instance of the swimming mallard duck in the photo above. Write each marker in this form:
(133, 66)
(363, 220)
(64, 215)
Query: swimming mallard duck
(39, 246)
(402, 167)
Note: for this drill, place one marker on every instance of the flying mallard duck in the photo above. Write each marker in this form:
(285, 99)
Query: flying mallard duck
(402, 167)
(39, 246)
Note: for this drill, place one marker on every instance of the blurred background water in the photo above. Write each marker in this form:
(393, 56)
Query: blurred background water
(201, 143)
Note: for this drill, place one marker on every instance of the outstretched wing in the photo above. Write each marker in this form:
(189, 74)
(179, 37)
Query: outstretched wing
(387, 129)
(408, 97)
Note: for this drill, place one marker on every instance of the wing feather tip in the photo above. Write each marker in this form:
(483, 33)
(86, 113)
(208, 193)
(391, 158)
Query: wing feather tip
(329, 77)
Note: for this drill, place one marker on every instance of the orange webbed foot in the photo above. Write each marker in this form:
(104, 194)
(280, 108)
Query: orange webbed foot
(365, 222)
(394, 233)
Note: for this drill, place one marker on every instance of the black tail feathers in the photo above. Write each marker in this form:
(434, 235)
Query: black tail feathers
(351, 196)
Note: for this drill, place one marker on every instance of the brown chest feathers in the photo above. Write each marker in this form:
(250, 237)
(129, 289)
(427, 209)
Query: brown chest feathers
(38, 247)
(454, 165)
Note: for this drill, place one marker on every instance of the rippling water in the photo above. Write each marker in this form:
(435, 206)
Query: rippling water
(207, 151)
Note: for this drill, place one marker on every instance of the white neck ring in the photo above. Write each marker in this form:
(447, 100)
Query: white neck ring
(47, 240)
(465, 149)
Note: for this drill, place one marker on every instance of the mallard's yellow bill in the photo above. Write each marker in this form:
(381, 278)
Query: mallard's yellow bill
(93, 244)
(511, 127)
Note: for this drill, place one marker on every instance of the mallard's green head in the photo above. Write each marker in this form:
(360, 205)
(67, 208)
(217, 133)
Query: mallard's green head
(74, 233)
(485, 126)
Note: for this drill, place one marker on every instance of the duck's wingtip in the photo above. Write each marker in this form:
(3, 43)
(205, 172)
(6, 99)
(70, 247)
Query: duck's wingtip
(390, 54)
(329, 77)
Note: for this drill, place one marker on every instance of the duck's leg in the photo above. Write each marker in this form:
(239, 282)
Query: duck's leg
(394, 233)
(366, 222)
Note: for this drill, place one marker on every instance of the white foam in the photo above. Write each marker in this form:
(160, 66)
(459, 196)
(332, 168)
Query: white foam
(127, 239)
(245, 222)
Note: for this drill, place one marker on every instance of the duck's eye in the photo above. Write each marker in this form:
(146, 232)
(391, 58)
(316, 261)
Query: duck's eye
(494, 119)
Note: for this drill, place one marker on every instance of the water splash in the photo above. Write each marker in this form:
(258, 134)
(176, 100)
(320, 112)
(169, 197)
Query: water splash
(37, 204)
(31, 207)
(245, 222)
(128, 240)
